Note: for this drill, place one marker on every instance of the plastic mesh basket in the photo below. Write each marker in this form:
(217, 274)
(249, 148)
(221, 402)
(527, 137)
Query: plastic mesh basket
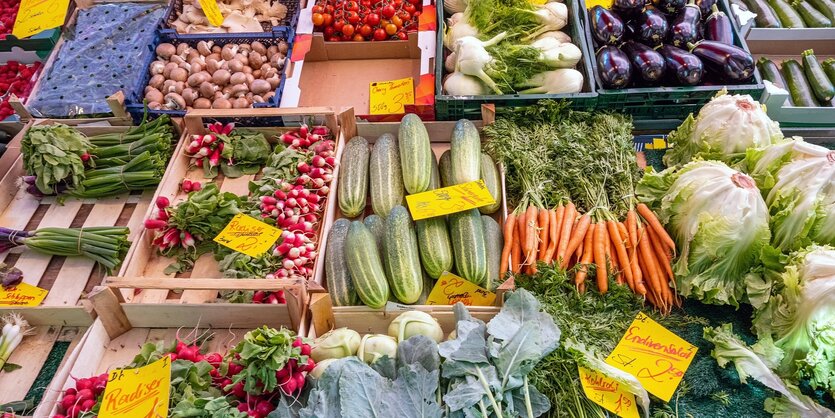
(288, 23)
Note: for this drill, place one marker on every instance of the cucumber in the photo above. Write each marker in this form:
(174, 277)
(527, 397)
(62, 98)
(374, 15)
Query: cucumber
(493, 242)
(445, 169)
(433, 238)
(465, 153)
(829, 68)
(467, 232)
(766, 18)
(799, 88)
(490, 175)
(377, 226)
(428, 284)
(353, 177)
(406, 279)
(365, 266)
(385, 178)
(822, 88)
(789, 18)
(337, 276)
(415, 154)
(826, 7)
(811, 16)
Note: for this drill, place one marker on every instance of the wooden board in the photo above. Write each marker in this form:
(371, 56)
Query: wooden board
(324, 316)
(68, 279)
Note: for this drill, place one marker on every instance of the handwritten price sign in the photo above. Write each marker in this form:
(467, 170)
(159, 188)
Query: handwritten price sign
(448, 200)
(138, 393)
(36, 16)
(389, 97)
(607, 393)
(451, 289)
(654, 355)
(22, 294)
(248, 235)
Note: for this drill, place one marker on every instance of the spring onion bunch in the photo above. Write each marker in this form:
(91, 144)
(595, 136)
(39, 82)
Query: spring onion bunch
(104, 245)
(14, 329)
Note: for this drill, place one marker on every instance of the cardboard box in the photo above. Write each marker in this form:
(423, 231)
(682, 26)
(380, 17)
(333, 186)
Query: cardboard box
(340, 74)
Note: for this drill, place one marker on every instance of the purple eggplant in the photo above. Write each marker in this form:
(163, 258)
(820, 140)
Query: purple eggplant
(684, 67)
(628, 8)
(652, 26)
(669, 6)
(647, 62)
(705, 6)
(718, 27)
(685, 27)
(607, 27)
(613, 67)
(729, 62)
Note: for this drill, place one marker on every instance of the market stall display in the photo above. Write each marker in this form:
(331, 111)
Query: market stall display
(362, 21)
(187, 17)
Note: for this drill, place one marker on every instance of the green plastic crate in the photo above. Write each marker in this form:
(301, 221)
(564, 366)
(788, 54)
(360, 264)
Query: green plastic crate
(650, 103)
(448, 107)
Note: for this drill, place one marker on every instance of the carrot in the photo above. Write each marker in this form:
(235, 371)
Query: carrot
(580, 277)
(531, 238)
(637, 276)
(577, 236)
(553, 235)
(661, 255)
(565, 234)
(648, 262)
(599, 246)
(620, 251)
(544, 221)
(650, 217)
(516, 255)
(624, 235)
(521, 229)
(632, 227)
(509, 226)
(610, 254)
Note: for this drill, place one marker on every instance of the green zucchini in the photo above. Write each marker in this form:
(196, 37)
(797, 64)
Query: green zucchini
(811, 16)
(433, 238)
(465, 153)
(822, 88)
(799, 88)
(826, 7)
(415, 154)
(829, 68)
(353, 177)
(406, 280)
(445, 169)
(365, 266)
(766, 18)
(493, 242)
(789, 18)
(467, 231)
(771, 72)
(337, 276)
(385, 178)
(490, 175)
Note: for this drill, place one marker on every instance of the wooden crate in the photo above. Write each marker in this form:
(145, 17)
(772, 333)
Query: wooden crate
(67, 279)
(100, 352)
(325, 316)
(143, 262)
(32, 354)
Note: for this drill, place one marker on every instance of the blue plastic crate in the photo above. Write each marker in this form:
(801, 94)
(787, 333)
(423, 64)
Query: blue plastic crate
(135, 101)
(287, 24)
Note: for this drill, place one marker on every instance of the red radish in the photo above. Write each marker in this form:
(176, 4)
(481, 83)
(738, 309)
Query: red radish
(88, 405)
(238, 390)
(85, 157)
(162, 215)
(214, 359)
(85, 394)
(297, 342)
(264, 407)
(188, 240)
(155, 224)
(186, 185)
(258, 296)
(196, 186)
(243, 407)
(83, 384)
(70, 391)
(68, 401)
(163, 202)
(306, 352)
(234, 369)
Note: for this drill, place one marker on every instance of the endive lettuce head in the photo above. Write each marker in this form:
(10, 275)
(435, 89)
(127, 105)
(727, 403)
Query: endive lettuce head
(800, 317)
(719, 222)
(749, 362)
(725, 127)
(763, 163)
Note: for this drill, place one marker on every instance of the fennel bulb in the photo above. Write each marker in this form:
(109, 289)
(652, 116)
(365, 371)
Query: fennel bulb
(456, 29)
(556, 54)
(459, 84)
(556, 34)
(473, 58)
(564, 80)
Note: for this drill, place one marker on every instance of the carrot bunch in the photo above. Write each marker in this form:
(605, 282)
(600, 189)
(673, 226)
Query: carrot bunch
(638, 252)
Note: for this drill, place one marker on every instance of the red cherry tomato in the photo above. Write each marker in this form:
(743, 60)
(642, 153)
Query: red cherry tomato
(348, 30)
(365, 30)
(358, 38)
(409, 8)
(380, 35)
(372, 19)
(338, 25)
(388, 11)
(318, 9)
(329, 9)
(318, 19)
(352, 6)
(404, 15)
(396, 21)
(391, 29)
(327, 19)
(402, 36)
(352, 17)
(328, 32)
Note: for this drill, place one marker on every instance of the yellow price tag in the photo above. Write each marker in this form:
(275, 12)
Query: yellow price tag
(36, 16)
(538, 2)
(607, 4)
(248, 235)
(388, 97)
(607, 393)
(138, 393)
(657, 143)
(212, 12)
(654, 355)
(23, 294)
(452, 199)
(450, 289)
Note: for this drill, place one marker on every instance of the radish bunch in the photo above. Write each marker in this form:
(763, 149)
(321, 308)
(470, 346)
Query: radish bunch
(189, 186)
(291, 378)
(204, 149)
(298, 252)
(305, 137)
(169, 237)
(83, 397)
(274, 298)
